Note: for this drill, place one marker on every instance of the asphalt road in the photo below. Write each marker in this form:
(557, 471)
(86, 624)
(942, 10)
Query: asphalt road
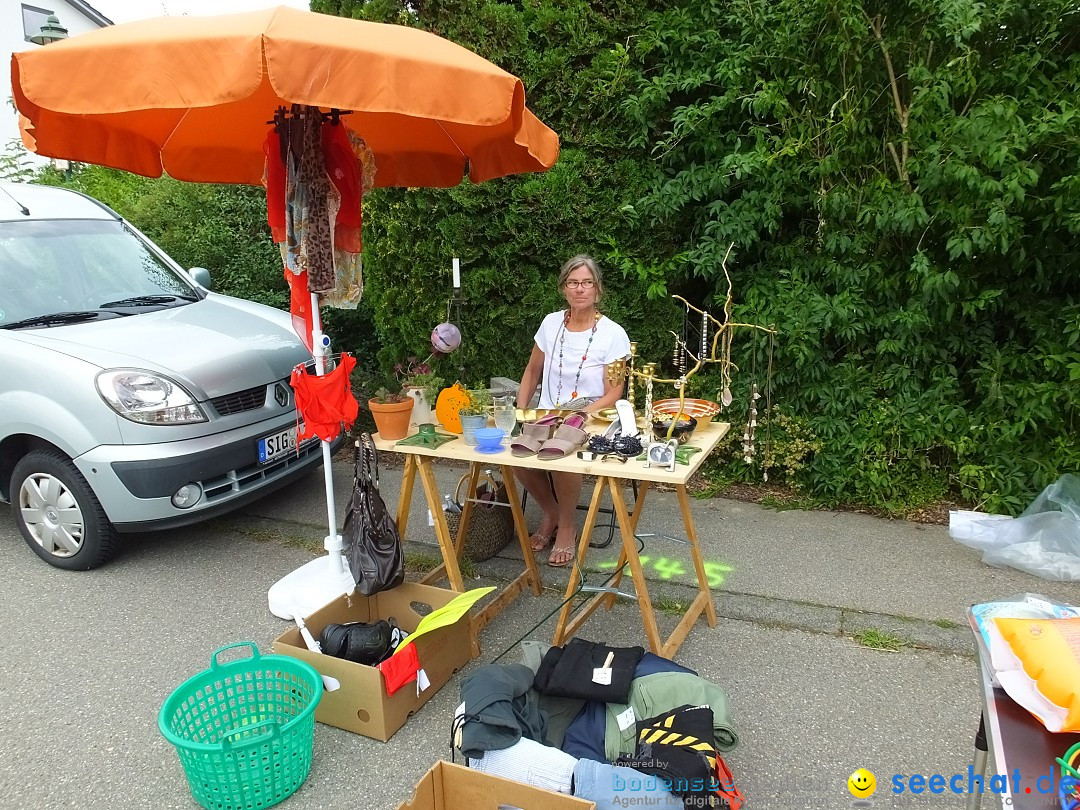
(90, 657)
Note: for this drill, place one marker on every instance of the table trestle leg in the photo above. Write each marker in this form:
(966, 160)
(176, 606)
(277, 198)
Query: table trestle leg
(695, 554)
(652, 632)
(629, 558)
(522, 530)
(529, 577)
(450, 567)
(565, 628)
(467, 509)
(404, 503)
(620, 566)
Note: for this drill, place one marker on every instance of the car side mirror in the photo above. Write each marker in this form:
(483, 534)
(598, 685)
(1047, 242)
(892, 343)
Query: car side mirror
(201, 276)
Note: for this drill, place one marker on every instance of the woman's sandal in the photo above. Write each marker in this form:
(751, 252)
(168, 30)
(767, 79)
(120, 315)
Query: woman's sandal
(557, 554)
(538, 542)
(533, 435)
(568, 439)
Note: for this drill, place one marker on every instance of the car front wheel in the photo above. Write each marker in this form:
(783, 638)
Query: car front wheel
(58, 514)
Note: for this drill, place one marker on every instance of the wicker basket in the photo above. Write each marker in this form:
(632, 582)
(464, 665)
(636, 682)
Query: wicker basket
(491, 524)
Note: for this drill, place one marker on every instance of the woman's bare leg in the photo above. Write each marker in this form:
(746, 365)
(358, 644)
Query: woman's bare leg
(568, 492)
(537, 485)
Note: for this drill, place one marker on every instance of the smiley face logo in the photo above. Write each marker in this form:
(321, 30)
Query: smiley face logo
(862, 784)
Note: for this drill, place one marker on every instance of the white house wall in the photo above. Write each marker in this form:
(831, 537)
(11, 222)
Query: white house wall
(12, 39)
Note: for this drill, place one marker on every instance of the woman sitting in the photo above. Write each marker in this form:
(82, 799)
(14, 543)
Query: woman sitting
(572, 348)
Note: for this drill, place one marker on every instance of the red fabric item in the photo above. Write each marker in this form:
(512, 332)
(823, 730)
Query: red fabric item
(400, 668)
(275, 187)
(300, 306)
(323, 403)
(343, 168)
(726, 785)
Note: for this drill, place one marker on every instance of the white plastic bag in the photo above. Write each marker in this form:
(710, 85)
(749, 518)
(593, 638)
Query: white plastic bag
(1044, 540)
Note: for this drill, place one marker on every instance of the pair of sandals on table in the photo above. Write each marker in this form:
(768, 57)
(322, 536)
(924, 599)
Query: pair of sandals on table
(551, 436)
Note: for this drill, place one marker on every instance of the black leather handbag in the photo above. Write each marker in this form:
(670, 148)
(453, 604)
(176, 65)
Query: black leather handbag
(361, 642)
(370, 533)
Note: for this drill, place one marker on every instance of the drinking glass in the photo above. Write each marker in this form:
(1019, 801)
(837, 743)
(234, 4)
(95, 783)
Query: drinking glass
(505, 413)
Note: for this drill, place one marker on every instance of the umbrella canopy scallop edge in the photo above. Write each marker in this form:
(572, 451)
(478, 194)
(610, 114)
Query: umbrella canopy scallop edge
(193, 96)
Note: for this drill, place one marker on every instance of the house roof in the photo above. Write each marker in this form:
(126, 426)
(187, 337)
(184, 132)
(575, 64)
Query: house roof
(90, 12)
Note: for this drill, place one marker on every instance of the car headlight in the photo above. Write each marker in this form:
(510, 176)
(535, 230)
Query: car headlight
(143, 396)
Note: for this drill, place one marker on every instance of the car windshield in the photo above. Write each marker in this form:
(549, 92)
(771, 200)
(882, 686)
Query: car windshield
(81, 270)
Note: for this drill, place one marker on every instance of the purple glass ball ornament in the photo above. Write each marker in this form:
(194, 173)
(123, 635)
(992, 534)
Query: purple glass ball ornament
(445, 338)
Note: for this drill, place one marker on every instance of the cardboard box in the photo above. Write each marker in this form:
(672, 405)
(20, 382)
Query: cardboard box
(361, 704)
(453, 787)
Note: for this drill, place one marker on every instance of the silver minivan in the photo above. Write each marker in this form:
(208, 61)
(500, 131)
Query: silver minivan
(131, 397)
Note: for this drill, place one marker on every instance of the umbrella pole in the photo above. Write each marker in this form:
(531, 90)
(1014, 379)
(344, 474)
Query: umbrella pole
(325, 578)
(332, 542)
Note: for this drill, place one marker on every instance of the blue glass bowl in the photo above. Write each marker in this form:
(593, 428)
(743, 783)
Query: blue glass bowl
(489, 438)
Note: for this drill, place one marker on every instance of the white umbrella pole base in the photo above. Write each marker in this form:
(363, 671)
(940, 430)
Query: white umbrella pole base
(309, 587)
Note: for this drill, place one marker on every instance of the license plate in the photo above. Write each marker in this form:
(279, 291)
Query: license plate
(278, 444)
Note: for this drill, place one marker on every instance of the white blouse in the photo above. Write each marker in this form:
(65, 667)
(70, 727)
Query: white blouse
(586, 377)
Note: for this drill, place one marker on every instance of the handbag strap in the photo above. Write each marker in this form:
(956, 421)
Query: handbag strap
(488, 476)
(366, 461)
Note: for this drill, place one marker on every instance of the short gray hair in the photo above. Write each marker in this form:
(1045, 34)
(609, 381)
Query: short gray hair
(589, 263)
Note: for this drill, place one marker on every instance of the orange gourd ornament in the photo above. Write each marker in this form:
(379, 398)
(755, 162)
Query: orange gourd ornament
(448, 407)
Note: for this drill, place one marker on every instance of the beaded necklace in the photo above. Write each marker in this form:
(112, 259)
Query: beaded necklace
(581, 365)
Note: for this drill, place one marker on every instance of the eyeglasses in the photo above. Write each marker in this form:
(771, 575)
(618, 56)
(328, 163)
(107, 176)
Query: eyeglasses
(587, 284)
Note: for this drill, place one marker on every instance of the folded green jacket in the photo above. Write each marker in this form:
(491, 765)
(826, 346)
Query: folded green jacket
(655, 694)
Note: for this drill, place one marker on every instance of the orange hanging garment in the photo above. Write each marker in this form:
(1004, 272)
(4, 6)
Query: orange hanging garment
(324, 403)
(303, 320)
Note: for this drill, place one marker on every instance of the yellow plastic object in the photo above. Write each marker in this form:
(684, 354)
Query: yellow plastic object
(606, 415)
(1049, 652)
(448, 407)
(447, 614)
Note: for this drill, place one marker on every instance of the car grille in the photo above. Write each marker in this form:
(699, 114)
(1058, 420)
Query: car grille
(238, 481)
(240, 401)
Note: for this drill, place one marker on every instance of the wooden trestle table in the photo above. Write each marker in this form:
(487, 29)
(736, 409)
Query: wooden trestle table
(609, 476)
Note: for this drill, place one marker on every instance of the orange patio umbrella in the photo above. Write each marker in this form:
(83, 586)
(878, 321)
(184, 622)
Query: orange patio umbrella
(196, 98)
(193, 97)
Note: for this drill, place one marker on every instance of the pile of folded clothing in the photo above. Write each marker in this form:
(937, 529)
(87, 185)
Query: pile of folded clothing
(613, 725)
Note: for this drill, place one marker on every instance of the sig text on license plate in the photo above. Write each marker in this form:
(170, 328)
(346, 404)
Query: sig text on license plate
(278, 445)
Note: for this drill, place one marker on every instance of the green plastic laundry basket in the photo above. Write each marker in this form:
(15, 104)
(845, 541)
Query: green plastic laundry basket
(244, 729)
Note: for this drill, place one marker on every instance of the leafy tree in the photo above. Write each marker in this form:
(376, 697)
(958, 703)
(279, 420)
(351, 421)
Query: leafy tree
(898, 186)
(513, 234)
(15, 165)
(901, 188)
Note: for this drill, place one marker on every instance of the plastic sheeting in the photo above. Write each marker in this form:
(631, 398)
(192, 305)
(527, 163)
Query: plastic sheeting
(1044, 540)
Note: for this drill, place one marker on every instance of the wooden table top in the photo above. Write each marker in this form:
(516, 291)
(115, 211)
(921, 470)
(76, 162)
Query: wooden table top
(706, 437)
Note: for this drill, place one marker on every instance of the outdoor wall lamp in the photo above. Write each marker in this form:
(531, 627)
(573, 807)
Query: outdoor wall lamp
(51, 31)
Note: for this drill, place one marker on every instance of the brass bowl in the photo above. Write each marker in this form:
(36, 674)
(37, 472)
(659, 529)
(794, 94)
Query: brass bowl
(703, 409)
(606, 415)
(532, 414)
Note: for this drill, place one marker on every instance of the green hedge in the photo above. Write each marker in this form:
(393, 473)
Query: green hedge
(902, 193)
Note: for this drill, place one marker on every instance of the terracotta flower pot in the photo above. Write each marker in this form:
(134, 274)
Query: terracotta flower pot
(392, 419)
